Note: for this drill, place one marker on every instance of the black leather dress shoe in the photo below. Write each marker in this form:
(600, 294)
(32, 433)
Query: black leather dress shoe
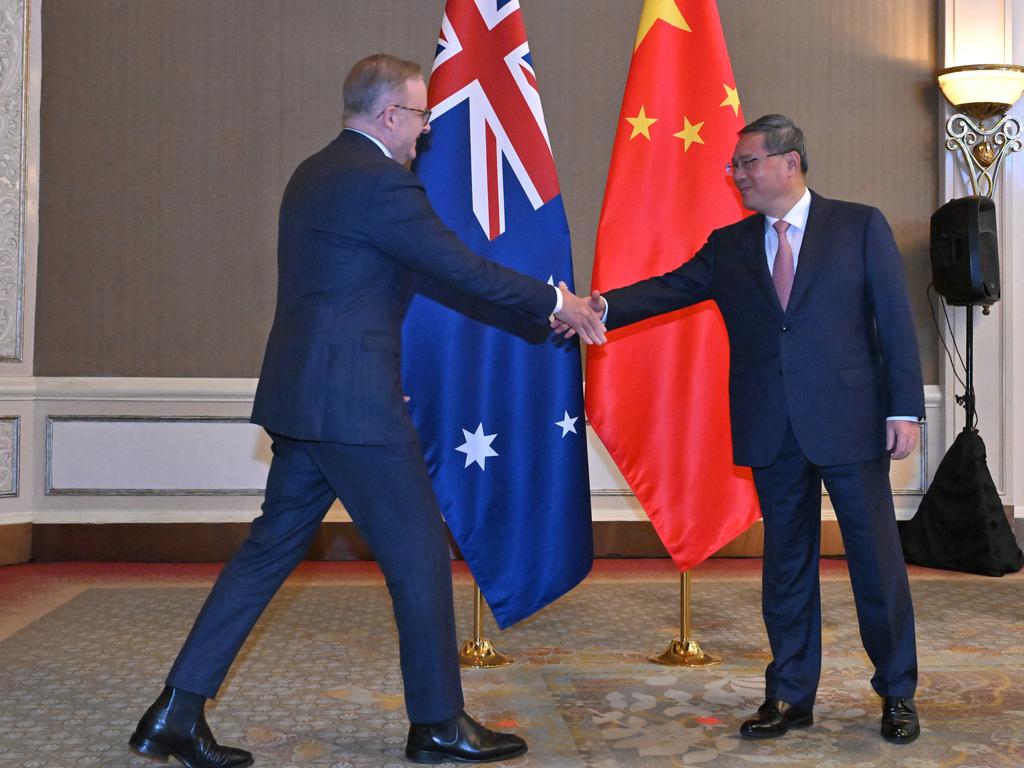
(460, 739)
(774, 718)
(175, 726)
(899, 720)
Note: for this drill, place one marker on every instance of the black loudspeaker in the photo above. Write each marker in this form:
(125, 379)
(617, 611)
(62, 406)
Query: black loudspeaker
(965, 252)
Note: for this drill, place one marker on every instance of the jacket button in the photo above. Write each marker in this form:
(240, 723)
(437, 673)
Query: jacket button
(784, 329)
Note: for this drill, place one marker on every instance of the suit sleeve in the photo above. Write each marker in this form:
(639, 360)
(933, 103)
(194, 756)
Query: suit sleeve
(407, 229)
(890, 303)
(688, 284)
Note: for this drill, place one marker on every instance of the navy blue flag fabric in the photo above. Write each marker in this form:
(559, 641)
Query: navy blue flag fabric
(497, 399)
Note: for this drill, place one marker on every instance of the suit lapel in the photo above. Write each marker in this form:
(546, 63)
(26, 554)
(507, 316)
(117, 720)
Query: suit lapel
(757, 263)
(813, 248)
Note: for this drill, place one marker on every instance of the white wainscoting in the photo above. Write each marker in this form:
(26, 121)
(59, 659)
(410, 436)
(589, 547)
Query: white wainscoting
(612, 500)
(150, 455)
(181, 450)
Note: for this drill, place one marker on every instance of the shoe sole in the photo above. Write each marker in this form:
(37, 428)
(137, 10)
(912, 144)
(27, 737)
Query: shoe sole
(430, 757)
(899, 739)
(803, 722)
(151, 750)
(148, 749)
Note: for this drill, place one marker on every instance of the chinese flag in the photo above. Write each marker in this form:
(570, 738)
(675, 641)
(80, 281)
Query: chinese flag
(658, 392)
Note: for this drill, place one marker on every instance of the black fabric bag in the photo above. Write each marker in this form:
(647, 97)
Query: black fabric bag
(960, 525)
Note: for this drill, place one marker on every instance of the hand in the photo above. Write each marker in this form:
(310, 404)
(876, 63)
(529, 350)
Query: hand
(901, 437)
(579, 315)
(595, 307)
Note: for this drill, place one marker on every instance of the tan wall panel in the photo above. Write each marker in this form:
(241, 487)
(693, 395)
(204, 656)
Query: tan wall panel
(169, 129)
(15, 543)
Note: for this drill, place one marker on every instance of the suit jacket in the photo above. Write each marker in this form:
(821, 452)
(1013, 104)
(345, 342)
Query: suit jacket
(354, 228)
(837, 362)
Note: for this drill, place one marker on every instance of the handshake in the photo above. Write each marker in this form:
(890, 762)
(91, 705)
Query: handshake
(580, 315)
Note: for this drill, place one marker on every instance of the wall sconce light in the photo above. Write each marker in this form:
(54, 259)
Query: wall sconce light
(981, 92)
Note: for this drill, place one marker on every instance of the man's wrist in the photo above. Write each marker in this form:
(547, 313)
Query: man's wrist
(558, 301)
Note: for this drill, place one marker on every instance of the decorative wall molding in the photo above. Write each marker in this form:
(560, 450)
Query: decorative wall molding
(110, 450)
(99, 389)
(14, 44)
(10, 427)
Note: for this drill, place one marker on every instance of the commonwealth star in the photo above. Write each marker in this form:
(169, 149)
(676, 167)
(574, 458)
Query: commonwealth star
(477, 446)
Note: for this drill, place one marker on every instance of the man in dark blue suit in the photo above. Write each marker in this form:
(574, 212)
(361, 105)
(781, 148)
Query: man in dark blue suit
(824, 386)
(355, 228)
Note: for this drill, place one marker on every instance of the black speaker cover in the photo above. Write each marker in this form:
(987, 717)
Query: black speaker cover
(960, 524)
(964, 251)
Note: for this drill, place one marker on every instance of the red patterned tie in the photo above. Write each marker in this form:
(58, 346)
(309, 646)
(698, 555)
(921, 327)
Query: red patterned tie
(782, 273)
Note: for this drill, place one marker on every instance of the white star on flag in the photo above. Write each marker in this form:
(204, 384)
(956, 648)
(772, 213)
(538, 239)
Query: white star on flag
(567, 424)
(478, 446)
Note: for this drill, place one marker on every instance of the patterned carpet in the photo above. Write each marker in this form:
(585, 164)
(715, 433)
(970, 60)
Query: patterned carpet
(318, 684)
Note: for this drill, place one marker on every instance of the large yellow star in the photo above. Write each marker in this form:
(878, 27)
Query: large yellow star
(641, 125)
(732, 99)
(665, 10)
(690, 133)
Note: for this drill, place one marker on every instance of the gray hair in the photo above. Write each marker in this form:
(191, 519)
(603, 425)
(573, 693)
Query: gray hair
(780, 135)
(372, 78)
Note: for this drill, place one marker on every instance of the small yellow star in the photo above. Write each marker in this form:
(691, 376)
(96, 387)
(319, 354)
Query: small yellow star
(732, 99)
(690, 133)
(666, 10)
(641, 125)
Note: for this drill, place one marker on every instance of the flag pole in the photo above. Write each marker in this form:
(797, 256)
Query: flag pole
(685, 652)
(478, 652)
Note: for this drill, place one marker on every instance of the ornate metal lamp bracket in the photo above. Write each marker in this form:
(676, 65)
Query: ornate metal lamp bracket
(983, 150)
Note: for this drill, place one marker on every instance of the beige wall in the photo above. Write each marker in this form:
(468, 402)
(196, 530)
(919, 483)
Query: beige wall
(168, 130)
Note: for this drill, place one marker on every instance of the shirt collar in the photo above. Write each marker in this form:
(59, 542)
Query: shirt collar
(797, 215)
(374, 139)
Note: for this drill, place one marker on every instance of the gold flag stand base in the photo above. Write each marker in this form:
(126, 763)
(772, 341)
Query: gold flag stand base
(685, 652)
(478, 653)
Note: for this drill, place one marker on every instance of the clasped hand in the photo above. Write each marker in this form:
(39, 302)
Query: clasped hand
(580, 315)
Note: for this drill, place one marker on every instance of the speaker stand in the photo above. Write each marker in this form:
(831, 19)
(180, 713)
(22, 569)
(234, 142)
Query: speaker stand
(968, 398)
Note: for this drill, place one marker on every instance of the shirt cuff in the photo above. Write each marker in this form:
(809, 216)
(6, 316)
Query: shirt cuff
(558, 301)
(904, 418)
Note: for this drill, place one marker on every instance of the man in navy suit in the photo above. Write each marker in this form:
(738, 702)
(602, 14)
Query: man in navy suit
(355, 228)
(824, 386)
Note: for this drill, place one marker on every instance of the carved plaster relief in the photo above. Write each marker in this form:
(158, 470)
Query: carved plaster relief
(13, 47)
(9, 455)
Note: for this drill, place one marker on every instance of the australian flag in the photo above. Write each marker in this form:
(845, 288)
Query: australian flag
(497, 402)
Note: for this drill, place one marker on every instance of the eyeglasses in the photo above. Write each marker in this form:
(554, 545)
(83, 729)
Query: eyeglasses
(750, 162)
(424, 113)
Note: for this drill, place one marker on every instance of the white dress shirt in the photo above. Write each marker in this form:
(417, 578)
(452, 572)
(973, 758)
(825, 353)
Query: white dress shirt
(797, 218)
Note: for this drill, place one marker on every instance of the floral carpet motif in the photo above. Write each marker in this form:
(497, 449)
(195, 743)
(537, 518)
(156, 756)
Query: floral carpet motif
(318, 685)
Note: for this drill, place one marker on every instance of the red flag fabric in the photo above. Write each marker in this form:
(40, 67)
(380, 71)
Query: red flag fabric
(658, 393)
